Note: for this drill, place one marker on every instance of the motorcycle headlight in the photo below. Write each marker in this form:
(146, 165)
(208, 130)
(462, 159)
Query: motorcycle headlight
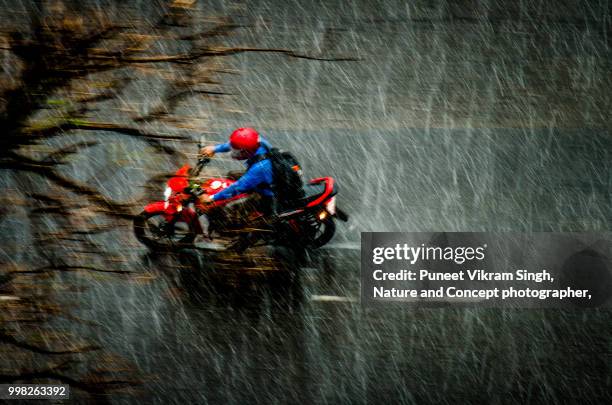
(167, 193)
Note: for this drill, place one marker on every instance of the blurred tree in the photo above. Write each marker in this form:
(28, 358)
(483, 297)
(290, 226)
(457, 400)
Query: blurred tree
(64, 68)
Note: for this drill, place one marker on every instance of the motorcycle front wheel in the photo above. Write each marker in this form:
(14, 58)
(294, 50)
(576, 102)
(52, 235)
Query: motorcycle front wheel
(152, 230)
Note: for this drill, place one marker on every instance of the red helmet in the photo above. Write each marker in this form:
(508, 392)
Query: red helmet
(244, 141)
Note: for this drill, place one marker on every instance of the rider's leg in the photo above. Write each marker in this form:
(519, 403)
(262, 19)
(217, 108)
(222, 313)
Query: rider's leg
(239, 212)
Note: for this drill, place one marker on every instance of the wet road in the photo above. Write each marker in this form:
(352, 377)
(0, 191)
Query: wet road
(208, 328)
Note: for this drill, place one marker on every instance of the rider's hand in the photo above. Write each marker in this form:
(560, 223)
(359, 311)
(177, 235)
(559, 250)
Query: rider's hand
(206, 199)
(207, 151)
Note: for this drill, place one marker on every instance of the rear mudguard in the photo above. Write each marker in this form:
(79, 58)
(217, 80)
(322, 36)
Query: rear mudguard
(186, 215)
(329, 190)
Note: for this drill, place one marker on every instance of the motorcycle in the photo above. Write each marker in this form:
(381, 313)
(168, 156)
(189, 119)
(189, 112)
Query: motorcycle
(176, 221)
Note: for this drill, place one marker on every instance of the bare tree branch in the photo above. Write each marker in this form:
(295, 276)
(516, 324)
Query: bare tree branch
(8, 339)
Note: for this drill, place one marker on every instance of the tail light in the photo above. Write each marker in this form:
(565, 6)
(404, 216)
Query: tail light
(330, 205)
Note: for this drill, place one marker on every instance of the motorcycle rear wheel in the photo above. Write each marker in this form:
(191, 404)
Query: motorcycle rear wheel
(148, 230)
(323, 232)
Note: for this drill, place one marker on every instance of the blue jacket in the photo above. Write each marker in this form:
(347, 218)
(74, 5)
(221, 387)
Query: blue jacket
(258, 176)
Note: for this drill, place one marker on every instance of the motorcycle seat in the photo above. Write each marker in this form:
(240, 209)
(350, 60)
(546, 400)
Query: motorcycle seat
(312, 192)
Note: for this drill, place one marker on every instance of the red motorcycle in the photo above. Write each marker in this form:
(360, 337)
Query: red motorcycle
(177, 220)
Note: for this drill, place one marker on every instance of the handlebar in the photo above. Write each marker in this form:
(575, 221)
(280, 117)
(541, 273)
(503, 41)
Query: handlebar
(202, 162)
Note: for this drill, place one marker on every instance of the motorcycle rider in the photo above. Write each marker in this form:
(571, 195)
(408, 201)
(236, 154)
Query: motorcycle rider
(246, 144)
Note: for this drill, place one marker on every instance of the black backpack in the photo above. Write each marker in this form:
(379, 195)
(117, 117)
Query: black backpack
(288, 185)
